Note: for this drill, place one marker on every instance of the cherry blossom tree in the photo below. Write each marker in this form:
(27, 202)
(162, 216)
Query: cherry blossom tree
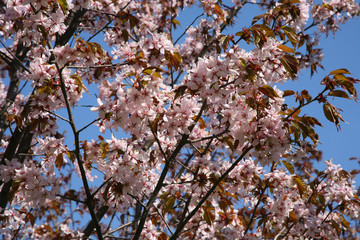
(193, 140)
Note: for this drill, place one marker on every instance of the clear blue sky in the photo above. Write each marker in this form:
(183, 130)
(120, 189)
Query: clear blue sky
(341, 51)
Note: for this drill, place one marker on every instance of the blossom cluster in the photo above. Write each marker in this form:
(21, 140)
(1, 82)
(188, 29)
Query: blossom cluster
(193, 139)
(332, 13)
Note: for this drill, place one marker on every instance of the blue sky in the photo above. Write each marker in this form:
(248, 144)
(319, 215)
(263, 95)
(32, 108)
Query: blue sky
(340, 51)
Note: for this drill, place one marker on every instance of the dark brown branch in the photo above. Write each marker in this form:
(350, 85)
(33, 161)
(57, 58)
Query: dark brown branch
(164, 172)
(255, 208)
(207, 195)
(92, 224)
(89, 198)
(15, 67)
(73, 20)
(228, 20)
(19, 143)
(23, 137)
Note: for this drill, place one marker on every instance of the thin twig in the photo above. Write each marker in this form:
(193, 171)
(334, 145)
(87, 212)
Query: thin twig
(98, 189)
(212, 136)
(255, 208)
(157, 141)
(86, 126)
(15, 58)
(209, 192)
(77, 154)
(89, 39)
(164, 172)
(57, 115)
(70, 198)
(98, 66)
(18, 229)
(188, 28)
(121, 227)
(164, 220)
(303, 105)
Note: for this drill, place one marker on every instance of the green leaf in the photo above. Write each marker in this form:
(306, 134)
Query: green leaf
(153, 71)
(14, 189)
(170, 202)
(64, 6)
(174, 59)
(339, 93)
(330, 113)
(344, 222)
(201, 121)
(349, 86)
(304, 129)
(321, 199)
(175, 23)
(30, 217)
(293, 216)
(291, 64)
(230, 195)
(239, 33)
(291, 34)
(308, 120)
(104, 149)
(79, 83)
(260, 222)
(71, 156)
(340, 77)
(229, 143)
(336, 227)
(257, 18)
(301, 186)
(133, 21)
(264, 29)
(125, 35)
(223, 204)
(208, 215)
(180, 91)
(289, 167)
(162, 236)
(305, 94)
(154, 124)
(340, 71)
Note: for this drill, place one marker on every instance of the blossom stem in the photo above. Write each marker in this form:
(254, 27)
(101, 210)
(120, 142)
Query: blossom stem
(207, 195)
(77, 154)
(255, 208)
(164, 172)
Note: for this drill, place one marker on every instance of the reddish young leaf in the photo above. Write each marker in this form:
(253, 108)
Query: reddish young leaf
(286, 49)
(288, 93)
(339, 93)
(268, 91)
(59, 161)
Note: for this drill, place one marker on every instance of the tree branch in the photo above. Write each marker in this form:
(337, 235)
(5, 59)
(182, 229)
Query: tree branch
(207, 195)
(89, 197)
(164, 172)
